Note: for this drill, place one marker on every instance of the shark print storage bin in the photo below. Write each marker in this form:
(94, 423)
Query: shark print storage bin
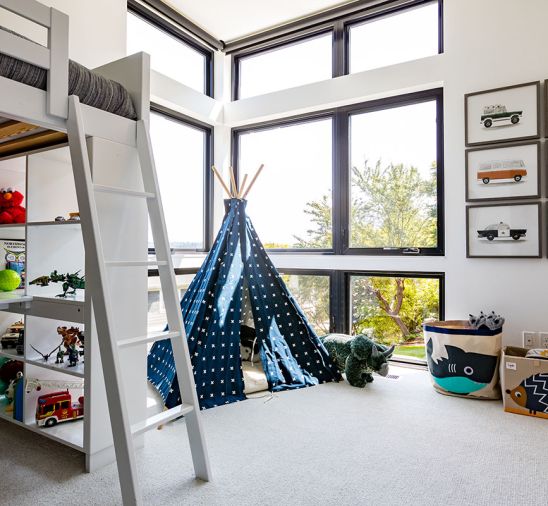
(463, 361)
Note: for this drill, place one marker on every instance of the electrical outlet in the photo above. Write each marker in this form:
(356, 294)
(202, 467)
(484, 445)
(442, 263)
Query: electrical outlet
(530, 339)
(543, 340)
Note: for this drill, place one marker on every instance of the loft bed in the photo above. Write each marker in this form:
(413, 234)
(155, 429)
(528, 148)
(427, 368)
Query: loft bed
(36, 81)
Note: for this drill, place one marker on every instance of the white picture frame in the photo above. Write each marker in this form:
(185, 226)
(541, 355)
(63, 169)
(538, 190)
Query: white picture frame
(511, 113)
(504, 231)
(503, 172)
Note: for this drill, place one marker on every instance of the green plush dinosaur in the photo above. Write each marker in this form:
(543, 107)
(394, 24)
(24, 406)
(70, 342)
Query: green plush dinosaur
(358, 357)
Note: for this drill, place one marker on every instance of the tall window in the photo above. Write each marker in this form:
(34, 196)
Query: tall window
(393, 176)
(181, 155)
(169, 55)
(312, 292)
(293, 193)
(394, 308)
(378, 35)
(157, 318)
(395, 38)
(291, 65)
(385, 158)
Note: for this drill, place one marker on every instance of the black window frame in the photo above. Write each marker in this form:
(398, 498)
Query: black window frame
(341, 171)
(208, 178)
(340, 27)
(151, 16)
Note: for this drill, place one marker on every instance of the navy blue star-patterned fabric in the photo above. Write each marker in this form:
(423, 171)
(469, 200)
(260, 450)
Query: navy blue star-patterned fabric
(237, 274)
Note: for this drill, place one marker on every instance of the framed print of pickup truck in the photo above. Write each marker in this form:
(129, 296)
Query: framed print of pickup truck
(505, 172)
(503, 231)
(502, 114)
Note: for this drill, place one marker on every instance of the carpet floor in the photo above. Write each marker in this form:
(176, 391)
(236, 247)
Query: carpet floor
(396, 442)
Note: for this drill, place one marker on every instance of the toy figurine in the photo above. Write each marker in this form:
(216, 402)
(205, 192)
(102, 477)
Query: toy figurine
(60, 357)
(70, 281)
(72, 356)
(47, 355)
(11, 210)
(10, 392)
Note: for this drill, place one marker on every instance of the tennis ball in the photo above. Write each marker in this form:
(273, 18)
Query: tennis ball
(9, 280)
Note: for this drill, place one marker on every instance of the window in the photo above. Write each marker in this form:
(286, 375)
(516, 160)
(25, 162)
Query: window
(395, 38)
(157, 319)
(312, 292)
(293, 193)
(394, 176)
(291, 65)
(394, 308)
(169, 54)
(182, 156)
(375, 36)
(385, 159)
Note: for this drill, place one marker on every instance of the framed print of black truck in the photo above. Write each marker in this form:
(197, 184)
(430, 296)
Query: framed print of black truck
(504, 114)
(506, 172)
(503, 231)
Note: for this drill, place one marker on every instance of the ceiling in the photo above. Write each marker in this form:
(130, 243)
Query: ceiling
(231, 19)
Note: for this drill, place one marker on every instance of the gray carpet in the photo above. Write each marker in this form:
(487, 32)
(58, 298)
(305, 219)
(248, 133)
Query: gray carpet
(395, 442)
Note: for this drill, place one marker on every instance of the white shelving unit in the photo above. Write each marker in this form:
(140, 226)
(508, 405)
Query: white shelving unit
(46, 179)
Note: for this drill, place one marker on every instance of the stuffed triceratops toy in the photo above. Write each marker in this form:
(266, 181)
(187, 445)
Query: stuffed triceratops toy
(358, 357)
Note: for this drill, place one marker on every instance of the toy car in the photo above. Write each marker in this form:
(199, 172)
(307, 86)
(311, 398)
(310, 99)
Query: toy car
(10, 339)
(58, 407)
(499, 114)
(501, 230)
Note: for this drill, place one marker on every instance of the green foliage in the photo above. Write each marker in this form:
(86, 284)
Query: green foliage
(391, 206)
(312, 294)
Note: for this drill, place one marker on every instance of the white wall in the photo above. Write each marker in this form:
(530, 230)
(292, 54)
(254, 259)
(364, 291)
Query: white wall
(97, 32)
(481, 52)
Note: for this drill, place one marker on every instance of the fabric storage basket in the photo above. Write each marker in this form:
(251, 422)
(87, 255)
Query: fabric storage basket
(462, 360)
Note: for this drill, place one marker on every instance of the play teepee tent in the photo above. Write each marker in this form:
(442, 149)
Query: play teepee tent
(238, 284)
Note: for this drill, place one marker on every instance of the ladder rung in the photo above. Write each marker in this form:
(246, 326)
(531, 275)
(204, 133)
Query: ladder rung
(135, 263)
(161, 418)
(123, 191)
(151, 338)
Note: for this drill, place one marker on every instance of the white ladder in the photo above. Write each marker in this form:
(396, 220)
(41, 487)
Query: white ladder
(122, 431)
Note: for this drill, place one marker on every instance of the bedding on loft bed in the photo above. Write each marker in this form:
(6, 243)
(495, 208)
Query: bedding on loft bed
(92, 89)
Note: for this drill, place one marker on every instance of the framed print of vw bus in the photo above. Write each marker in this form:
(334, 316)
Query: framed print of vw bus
(506, 172)
(504, 114)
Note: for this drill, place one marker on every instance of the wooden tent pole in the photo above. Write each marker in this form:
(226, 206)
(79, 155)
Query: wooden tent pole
(221, 180)
(242, 186)
(253, 181)
(235, 191)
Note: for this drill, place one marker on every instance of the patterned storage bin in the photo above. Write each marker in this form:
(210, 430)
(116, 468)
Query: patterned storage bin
(463, 361)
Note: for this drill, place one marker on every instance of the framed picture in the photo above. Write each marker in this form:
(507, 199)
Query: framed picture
(13, 251)
(503, 231)
(511, 113)
(511, 171)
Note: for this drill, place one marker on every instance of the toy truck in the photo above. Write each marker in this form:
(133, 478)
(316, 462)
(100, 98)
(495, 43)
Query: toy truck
(501, 230)
(12, 335)
(57, 407)
(499, 114)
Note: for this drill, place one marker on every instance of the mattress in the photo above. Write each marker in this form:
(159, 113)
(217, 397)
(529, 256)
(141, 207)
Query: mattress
(92, 89)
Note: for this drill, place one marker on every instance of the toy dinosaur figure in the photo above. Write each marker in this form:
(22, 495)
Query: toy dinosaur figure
(70, 282)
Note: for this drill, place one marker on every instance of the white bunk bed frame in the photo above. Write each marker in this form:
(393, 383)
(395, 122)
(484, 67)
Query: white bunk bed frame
(53, 109)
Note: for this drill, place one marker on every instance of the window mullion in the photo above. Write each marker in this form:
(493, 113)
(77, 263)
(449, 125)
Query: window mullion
(341, 189)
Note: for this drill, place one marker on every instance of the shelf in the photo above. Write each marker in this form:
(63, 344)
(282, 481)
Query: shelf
(67, 433)
(11, 353)
(66, 224)
(15, 297)
(12, 225)
(37, 360)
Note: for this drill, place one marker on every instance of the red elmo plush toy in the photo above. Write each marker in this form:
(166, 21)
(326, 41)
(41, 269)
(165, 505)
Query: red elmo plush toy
(11, 210)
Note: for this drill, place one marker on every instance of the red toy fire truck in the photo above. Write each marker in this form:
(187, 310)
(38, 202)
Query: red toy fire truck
(58, 407)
